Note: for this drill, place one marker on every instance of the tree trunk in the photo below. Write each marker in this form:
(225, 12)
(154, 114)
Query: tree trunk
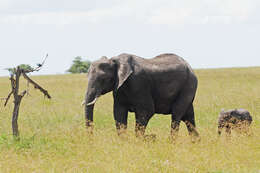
(17, 104)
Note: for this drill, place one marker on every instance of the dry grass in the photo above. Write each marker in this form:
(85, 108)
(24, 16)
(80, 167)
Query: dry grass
(54, 138)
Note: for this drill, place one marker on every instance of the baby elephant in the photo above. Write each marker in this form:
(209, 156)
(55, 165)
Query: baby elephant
(234, 119)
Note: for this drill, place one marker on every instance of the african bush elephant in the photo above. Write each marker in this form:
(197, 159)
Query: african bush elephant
(239, 119)
(164, 84)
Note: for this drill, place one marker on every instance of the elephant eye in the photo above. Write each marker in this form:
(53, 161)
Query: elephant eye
(102, 79)
(104, 67)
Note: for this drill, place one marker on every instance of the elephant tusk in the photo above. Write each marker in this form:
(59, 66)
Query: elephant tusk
(83, 103)
(93, 102)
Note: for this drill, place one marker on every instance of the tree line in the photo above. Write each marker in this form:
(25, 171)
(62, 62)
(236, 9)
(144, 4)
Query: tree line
(79, 65)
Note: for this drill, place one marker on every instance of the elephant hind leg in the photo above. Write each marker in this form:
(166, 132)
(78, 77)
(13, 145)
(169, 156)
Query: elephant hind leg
(190, 122)
(183, 110)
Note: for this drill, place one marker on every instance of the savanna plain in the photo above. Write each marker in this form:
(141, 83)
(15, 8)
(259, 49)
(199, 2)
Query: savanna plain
(54, 138)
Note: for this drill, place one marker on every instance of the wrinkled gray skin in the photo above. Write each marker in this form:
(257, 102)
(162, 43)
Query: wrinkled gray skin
(164, 84)
(234, 118)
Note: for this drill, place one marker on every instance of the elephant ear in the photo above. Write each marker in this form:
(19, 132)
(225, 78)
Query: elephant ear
(124, 69)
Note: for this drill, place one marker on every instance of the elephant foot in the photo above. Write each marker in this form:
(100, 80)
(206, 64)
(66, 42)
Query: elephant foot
(90, 131)
(89, 127)
(173, 139)
(122, 133)
(195, 139)
(150, 138)
(123, 136)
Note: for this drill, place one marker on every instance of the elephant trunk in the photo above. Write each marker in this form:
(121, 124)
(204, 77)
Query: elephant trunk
(90, 100)
(89, 115)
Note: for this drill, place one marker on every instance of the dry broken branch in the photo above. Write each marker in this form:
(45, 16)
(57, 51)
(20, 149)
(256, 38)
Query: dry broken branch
(36, 86)
(23, 93)
(13, 88)
(8, 97)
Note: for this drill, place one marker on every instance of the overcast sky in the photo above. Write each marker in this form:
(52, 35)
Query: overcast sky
(207, 33)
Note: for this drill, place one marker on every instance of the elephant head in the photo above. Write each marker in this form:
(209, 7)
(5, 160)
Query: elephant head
(105, 75)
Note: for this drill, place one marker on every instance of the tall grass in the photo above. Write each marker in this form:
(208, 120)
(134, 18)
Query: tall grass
(54, 139)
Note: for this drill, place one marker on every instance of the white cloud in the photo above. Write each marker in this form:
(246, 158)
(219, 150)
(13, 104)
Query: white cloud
(152, 12)
(208, 11)
(52, 18)
(4, 4)
(73, 17)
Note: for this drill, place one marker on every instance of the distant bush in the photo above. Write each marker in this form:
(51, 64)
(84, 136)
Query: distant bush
(79, 66)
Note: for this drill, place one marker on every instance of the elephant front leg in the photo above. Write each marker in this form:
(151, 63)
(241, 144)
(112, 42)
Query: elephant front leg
(141, 123)
(228, 130)
(139, 129)
(120, 116)
(220, 127)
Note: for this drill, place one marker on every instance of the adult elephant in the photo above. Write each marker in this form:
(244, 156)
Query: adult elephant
(164, 84)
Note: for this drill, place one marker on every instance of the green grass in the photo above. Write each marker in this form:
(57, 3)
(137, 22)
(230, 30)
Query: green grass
(54, 139)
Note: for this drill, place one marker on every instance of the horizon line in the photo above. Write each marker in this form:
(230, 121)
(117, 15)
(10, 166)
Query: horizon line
(208, 68)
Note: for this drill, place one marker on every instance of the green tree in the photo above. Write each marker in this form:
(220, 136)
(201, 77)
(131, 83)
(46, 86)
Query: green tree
(79, 66)
(22, 66)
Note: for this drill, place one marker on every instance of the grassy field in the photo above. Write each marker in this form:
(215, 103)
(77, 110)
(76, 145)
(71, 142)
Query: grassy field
(54, 139)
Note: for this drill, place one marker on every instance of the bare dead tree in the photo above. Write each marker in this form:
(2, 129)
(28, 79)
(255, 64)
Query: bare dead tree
(15, 78)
